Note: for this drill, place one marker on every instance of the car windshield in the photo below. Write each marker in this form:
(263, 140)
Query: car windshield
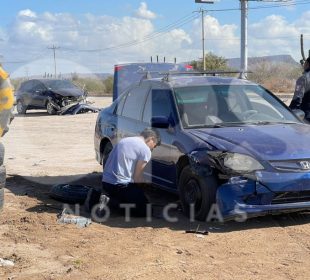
(229, 105)
(59, 84)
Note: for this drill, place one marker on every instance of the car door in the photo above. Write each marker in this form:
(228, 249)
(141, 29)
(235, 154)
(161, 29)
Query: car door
(128, 118)
(162, 169)
(24, 93)
(38, 94)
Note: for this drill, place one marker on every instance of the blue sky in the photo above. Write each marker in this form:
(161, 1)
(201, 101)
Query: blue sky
(93, 35)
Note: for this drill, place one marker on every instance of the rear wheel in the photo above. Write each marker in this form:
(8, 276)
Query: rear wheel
(21, 108)
(1, 199)
(197, 194)
(2, 185)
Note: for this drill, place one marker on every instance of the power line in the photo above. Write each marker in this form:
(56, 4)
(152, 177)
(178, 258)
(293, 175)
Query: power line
(263, 7)
(146, 38)
(28, 60)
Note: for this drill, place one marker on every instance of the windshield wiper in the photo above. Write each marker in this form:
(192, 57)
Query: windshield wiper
(218, 125)
(270, 122)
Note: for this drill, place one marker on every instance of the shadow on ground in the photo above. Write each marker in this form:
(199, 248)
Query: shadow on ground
(28, 186)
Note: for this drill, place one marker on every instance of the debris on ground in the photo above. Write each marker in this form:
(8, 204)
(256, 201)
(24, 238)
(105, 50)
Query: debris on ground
(197, 231)
(81, 222)
(4, 262)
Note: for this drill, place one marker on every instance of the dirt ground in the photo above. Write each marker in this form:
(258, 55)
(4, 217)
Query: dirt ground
(44, 150)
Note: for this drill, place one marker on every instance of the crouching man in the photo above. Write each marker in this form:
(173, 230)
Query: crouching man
(122, 176)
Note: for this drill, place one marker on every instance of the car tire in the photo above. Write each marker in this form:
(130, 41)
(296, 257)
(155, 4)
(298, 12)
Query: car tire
(106, 151)
(50, 108)
(2, 185)
(69, 193)
(201, 192)
(1, 199)
(21, 107)
(2, 150)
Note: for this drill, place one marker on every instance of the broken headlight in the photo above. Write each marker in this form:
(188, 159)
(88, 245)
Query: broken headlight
(241, 163)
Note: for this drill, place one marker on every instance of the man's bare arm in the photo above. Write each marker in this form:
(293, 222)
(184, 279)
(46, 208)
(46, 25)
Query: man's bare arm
(138, 174)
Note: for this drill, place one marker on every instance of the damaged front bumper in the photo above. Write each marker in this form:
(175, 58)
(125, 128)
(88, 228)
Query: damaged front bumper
(73, 108)
(265, 193)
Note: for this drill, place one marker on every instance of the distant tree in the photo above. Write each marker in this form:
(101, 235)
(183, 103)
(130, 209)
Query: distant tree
(213, 62)
(108, 82)
(277, 77)
(74, 76)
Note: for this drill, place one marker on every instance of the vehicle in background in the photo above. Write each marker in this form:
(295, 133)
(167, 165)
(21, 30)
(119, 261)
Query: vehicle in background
(127, 74)
(225, 141)
(53, 95)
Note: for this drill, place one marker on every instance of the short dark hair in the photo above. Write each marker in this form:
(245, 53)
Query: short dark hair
(151, 132)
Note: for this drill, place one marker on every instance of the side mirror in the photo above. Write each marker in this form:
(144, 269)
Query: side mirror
(160, 122)
(300, 114)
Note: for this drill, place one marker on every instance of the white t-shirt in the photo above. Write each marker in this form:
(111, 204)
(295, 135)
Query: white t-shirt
(121, 163)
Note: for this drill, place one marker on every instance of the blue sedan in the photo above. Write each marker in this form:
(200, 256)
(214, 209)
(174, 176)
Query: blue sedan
(230, 148)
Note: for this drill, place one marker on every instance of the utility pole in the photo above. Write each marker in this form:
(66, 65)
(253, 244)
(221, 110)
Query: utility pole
(202, 11)
(244, 37)
(54, 51)
(203, 38)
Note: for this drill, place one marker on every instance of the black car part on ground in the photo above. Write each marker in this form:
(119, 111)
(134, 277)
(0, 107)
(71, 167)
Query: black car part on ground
(69, 193)
(79, 108)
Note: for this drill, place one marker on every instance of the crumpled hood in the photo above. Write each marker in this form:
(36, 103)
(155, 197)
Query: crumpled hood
(267, 142)
(69, 92)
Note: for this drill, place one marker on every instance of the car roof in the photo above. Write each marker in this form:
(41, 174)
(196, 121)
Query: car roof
(176, 81)
(43, 80)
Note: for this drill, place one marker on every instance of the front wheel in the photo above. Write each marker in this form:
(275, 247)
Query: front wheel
(196, 193)
(50, 108)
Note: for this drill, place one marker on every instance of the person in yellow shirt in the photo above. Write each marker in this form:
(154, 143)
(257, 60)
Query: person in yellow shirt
(6, 116)
(6, 101)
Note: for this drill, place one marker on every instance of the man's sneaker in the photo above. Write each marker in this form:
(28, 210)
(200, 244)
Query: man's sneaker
(103, 201)
(101, 208)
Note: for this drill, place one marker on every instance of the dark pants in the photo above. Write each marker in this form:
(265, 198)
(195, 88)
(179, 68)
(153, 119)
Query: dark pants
(127, 194)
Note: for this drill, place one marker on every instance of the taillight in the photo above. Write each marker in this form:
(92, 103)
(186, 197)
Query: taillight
(117, 68)
(188, 67)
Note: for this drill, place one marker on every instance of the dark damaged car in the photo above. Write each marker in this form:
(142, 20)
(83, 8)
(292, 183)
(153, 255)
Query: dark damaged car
(51, 94)
(228, 145)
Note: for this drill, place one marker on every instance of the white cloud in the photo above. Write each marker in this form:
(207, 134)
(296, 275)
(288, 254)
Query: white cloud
(219, 39)
(143, 12)
(27, 14)
(275, 35)
(98, 42)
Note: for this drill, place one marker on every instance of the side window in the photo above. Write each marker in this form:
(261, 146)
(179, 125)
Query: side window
(37, 86)
(27, 86)
(135, 102)
(120, 105)
(158, 103)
